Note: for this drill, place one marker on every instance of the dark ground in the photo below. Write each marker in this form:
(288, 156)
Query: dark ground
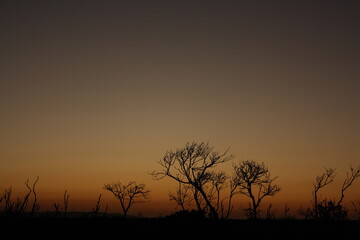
(119, 228)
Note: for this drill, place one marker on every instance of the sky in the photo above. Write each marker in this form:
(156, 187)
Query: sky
(93, 92)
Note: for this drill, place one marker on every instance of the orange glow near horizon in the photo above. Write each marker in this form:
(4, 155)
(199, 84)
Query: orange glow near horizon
(93, 93)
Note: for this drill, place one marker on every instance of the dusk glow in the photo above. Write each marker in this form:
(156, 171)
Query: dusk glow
(96, 92)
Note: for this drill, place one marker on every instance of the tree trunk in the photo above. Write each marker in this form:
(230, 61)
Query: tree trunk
(255, 206)
(213, 212)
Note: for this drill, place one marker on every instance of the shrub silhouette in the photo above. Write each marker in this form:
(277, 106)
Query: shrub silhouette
(187, 215)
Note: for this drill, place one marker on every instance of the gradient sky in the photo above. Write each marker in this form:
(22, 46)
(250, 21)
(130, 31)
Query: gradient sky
(97, 91)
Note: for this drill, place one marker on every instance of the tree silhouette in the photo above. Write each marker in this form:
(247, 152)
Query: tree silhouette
(331, 209)
(57, 206)
(128, 194)
(356, 206)
(191, 166)
(253, 180)
(181, 196)
(225, 211)
(35, 206)
(350, 178)
(321, 181)
(19, 206)
(95, 210)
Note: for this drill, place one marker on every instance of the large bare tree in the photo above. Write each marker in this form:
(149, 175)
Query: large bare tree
(253, 180)
(128, 194)
(192, 166)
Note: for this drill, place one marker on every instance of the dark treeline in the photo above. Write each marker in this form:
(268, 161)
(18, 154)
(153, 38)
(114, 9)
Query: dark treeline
(202, 192)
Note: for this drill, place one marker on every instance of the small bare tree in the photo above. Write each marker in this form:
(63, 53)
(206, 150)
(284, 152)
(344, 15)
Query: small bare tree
(19, 206)
(57, 206)
(321, 181)
(66, 202)
(95, 210)
(182, 196)
(350, 178)
(254, 181)
(331, 209)
(225, 211)
(191, 166)
(356, 206)
(128, 194)
(270, 213)
(35, 206)
(218, 183)
(286, 212)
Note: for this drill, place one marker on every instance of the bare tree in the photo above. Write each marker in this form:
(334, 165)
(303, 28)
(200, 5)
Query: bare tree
(57, 209)
(270, 214)
(356, 206)
(218, 182)
(9, 204)
(22, 204)
(254, 181)
(225, 211)
(128, 194)
(321, 181)
(35, 206)
(96, 209)
(181, 197)
(350, 178)
(331, 209)
(191, 166)
(66, 202)
(57, 206)
(19, 206)
(286, 212)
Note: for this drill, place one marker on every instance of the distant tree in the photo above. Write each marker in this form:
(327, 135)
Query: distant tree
(270, 213)
(128, 194)
(58, 210)
(96, 209)
(218, 183)
(191, 166)
(35, 206)
(286, 212)
(66, 202)
(19, 206)
(350, 178)
(253, 180)
(330, 209)
(321, 181)
(182, 196)
(356, 206)
(225, 211)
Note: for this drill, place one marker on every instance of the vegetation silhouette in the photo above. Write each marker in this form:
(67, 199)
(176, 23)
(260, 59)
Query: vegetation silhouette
(96, 209)
(331, 209)
(128, 194)
(203, 198)
(19, 206)
(62, 212)
(254, 181)
(191, 167)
